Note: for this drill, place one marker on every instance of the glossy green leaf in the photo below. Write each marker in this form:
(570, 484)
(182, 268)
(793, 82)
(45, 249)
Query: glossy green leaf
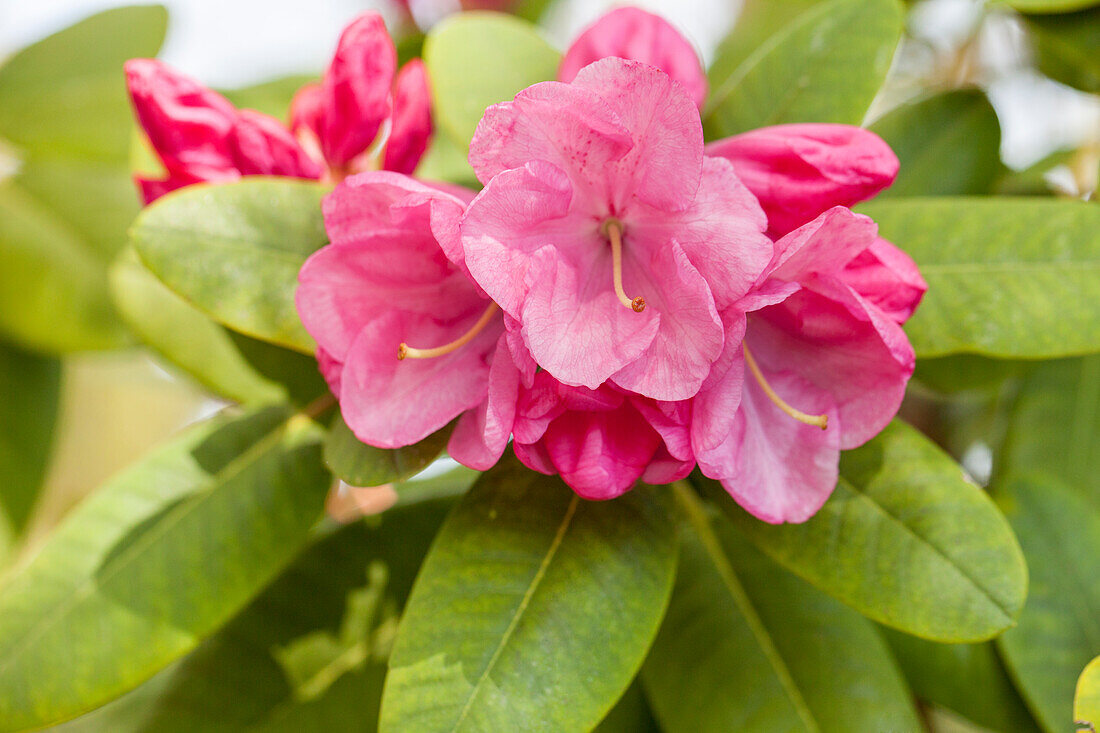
(364, 465)
(906, 539)
(968, 679)
(948, 145)
(1007, 277)
(155, 561)
(746, 646)
(530, 597)
(53, 289)
(67, 94)
(1086, 701)
(1055, 424)
(1059, 630)
(1066, 47)
(30, 385)
(478, 59)
(236, 679)
(1048, 6)
(234, 251)
(826, 66)
(184, 336)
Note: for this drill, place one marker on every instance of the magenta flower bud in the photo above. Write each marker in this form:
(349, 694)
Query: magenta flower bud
(412, 119)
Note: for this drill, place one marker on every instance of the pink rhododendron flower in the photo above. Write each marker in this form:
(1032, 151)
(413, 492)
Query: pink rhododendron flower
(599, 188)
(357, 118)
(406, 341)
(631, 33)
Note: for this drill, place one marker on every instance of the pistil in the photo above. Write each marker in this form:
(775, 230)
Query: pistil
(404, 351)
(820, 421)
(614, 230)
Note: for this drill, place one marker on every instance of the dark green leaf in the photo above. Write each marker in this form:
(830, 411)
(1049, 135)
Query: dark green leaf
(962, 372)
(1066, 47)
(948, 145)
(1059, 630)
(67, 94)
(1048, 6)
(155, 561)
(364, 465)
(1007, 277)
(30, 385)
(968, 679)
(234, 251)
(295, 372)
(826, 66)
(906, 539)
(746, 646)
(631, 714)
(479, 59)
(529, 597)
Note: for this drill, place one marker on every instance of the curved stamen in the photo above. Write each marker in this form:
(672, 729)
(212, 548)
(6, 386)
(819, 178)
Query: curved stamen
(819, 420)
(614, 230)
(404, 351)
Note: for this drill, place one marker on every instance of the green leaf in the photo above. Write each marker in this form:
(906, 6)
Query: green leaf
(968, 679)
(156, 560)
(1033, 180)
(31, 386)
(631, 714)
(1007, 277)
(948, 144)
(1065, 47)
(364, 465)
(1048, 6)
(1055, 425)
(478, 59)
(234, 681)
(295, 372)
(53, 289)
(963, 372)
(67, 94)
(1059, 630)
(826, 66)
(746, 646)
(234, 251)
(184, 336)
(1086, 702)
(530, 596)
(445, 160)
(906, 539)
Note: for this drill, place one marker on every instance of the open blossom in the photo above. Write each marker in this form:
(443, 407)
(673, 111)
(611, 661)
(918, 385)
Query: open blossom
(405, 340)
(605, 233)
(358, 118)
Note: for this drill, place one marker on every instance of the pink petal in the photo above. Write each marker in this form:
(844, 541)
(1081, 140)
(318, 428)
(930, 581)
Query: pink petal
(412, 119)
(331, 369)
(631, 33)
(672, 421)
(261, 145)
(664, 469)
(664, 165)
(780, 470)
(798, 171)
(887, 278)
(482, 434)
(306, 109)
(535, 457)
(721, 232)
(714, 408)
(824, 246)
(356, 90)
(690, 334)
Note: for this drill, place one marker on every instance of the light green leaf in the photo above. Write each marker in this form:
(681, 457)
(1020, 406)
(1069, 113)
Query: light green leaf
(948, 144)
(66, 95)
(1007, 277)
(233, 680)
(1066, 47)
(234, 251)
(184, 336)
(30, 385)
(826, 66)
(746, 646)
(155, 561)
(1086, 702)
(478, 59)
(270, 97)
(1059, 630)
(1047, 6)
(1055, 425)
(364, 465)
(906, 539)
(968, 679)
(530, 596)
(445, 160)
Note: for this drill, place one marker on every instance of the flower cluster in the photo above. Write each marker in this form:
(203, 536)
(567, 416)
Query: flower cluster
(621, 301)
